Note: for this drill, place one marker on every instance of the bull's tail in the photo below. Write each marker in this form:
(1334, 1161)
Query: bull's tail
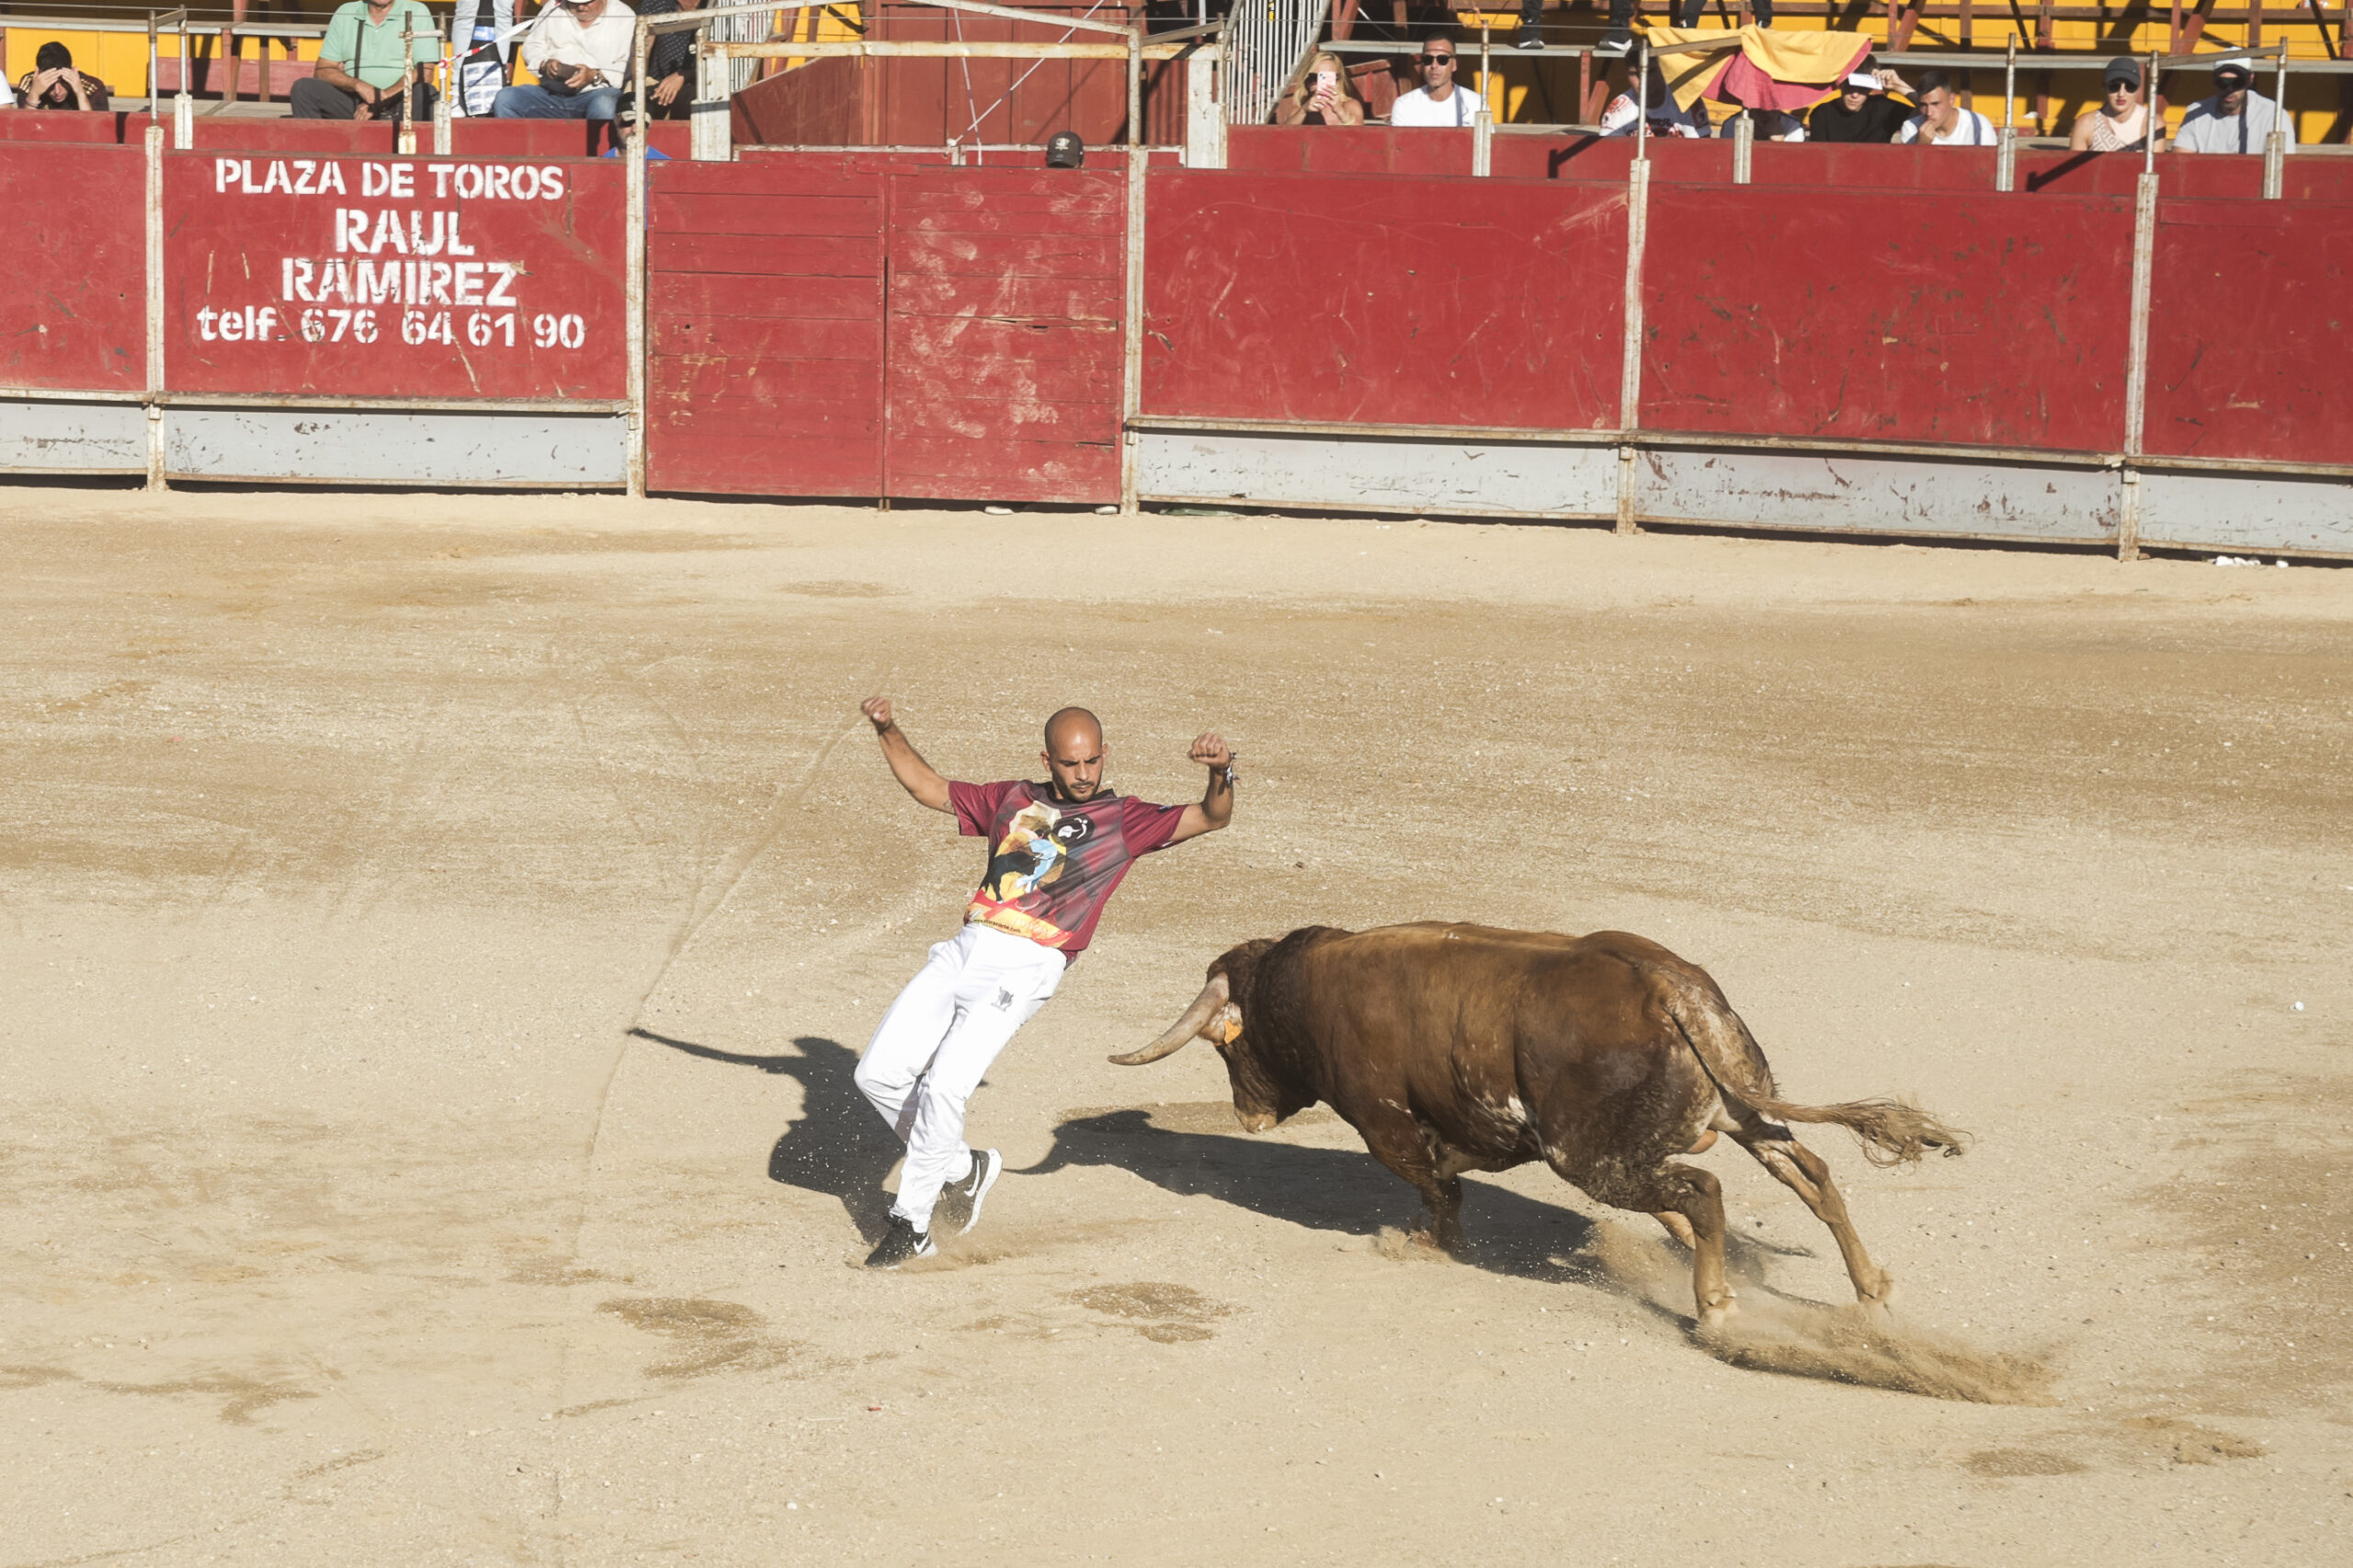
(1892, 1131)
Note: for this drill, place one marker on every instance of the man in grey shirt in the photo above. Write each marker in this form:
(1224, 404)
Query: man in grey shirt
(2236, 119)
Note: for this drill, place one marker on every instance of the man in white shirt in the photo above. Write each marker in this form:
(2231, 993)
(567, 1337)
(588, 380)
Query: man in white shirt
(1438, 101)
(2236, 119)
(580, 51)
(1942, 121)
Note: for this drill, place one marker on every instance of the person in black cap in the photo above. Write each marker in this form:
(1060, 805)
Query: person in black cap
(2236, 119)
(1861, 112)
(2121, 123)
(54, 84)
(1065, 150)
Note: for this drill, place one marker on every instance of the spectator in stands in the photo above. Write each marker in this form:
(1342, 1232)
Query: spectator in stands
(1861, 112)
(624, 130)
(670, 63)
(365, 72)
(1942, 121)
(580, 51)
(2236, 119)
(2120, 124)
(54, 84)
(1666, 117)
(1325, 96)
(1438, 101)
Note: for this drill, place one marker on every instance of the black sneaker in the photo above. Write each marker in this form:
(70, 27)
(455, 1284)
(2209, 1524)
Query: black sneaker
(973, 1190)
(1616, 44)
(901, 1242)
(1528, 37)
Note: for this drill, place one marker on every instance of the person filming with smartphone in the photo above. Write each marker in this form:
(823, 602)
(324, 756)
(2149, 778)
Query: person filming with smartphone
(1324, 95)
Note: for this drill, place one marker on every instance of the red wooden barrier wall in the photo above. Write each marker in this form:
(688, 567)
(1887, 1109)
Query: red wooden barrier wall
(2251, 317)
(1891, 316)
(74, 295)
(765, 326)
(1381, 149)
(865, 326)
(1394, 300)
(1003, 357)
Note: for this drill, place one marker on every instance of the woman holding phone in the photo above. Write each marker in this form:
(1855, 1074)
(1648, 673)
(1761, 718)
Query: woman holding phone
(1324, 97)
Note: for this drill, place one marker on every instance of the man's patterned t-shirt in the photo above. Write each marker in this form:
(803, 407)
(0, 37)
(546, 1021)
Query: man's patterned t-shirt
(1053, 863)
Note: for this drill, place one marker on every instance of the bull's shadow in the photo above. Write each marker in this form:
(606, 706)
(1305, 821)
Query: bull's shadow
(839, 1147)
(1342, 1190)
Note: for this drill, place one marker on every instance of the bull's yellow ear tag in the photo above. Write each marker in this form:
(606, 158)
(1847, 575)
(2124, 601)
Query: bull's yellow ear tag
(1231, 1029)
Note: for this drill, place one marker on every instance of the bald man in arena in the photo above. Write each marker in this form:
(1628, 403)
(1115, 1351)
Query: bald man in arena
(1056, 852)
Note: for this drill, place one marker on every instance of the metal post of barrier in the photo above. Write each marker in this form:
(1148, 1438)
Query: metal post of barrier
(404, 134)
(445, 78)
(1483, 143)
(154, 72)
(1132, 322)
(2136, 363)
(2005, 158)
(1486, 67)
(711, 139)
(154, 306)
(634, 290)
(1630, 369)
(1743, 145)
(2275, 145)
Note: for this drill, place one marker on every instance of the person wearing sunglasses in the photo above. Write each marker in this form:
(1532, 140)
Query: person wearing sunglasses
(2238, 118)
(1325, 96)
(2121, 123)
(580, 51)
(1438, 101)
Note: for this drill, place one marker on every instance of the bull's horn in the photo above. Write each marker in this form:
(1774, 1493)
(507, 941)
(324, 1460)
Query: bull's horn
(1195, 1019)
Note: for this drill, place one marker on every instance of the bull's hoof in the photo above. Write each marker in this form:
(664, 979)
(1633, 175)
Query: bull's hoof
(1882, 1293)
(1716, 1314)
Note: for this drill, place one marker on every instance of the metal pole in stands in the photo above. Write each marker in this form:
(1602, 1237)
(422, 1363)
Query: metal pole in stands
(1630, 379)
(635, 281)
(1131, 322)
(445, 78)
(404, 134)
(1743, 145)
(183, 106)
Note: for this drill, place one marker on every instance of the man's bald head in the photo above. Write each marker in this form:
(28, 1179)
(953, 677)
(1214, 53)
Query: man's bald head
(1074, 752)
(1089, 727)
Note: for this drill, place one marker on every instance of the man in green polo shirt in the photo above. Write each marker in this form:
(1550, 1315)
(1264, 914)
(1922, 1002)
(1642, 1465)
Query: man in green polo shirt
(364, 63)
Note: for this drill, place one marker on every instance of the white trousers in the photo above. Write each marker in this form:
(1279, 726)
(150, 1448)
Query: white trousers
(936, 1042)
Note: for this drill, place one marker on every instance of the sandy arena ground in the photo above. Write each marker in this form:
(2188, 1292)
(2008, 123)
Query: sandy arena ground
(440, 932)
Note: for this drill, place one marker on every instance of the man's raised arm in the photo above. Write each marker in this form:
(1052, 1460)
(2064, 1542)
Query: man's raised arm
(917, 777)
(1216, 806)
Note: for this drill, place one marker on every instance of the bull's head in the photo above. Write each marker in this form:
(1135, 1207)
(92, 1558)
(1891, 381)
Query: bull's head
(1260, 1098)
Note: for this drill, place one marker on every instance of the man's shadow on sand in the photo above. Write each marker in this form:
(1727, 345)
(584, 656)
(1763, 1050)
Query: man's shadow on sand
(839, 1147)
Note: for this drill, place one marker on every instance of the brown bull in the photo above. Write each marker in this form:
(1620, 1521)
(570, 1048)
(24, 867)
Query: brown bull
(1464, 1048)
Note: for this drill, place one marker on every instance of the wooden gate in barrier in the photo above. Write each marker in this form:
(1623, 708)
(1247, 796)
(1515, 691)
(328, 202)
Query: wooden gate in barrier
(875, 327)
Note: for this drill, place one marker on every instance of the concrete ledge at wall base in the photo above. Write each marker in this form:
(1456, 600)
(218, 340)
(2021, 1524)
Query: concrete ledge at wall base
(2239, 510)
(37, 438)
(1864, 492)
(461, 449)
(1377, 474)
